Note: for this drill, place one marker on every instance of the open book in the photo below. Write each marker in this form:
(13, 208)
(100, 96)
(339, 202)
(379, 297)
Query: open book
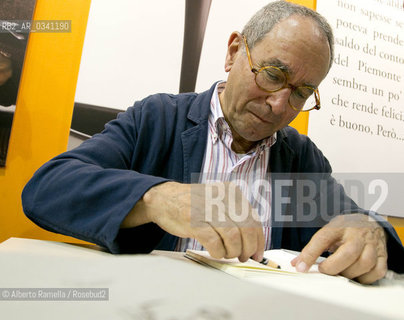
(242, 269)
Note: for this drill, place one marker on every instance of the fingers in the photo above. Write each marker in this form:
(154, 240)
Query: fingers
(235, 221)
(232, 241)
(252, 236)
(258, 255)
(360, 249)
(372, 264)
(320, 242)
(217, 215)
(253, 244)
(344, 257)
(376, 273)
(237, 241)
(211, 241)
(364, 264)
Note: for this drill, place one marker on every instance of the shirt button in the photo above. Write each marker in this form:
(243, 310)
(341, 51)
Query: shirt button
(214, 138)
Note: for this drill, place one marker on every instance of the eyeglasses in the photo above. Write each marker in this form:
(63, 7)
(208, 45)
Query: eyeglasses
(272, 79)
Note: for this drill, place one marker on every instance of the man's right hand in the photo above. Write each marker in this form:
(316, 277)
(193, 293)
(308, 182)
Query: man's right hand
(217, 215)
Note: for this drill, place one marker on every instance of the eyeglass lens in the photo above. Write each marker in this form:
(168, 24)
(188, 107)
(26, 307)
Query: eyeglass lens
(273, 79)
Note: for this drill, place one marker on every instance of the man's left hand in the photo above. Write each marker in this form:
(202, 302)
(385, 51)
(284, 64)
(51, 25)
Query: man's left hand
(358, 244)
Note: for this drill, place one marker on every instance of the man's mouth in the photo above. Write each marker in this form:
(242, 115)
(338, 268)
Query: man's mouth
(262, 119)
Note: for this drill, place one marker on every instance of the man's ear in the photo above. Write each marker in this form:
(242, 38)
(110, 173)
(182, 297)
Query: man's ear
(234, 45)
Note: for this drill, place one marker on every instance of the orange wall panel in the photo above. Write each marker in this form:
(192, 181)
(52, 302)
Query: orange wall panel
(43, 110)
(301, 122)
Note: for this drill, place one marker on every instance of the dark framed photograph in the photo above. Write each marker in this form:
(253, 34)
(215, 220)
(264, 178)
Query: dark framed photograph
(15, 21)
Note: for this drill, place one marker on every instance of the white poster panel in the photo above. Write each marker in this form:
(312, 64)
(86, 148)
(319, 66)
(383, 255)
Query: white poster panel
(360, 127)
(218, 31)
(133, 48)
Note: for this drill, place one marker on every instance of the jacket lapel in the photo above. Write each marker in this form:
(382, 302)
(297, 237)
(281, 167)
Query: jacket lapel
(195, 137)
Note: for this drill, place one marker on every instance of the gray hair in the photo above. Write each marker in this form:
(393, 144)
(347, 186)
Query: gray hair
(265, 19)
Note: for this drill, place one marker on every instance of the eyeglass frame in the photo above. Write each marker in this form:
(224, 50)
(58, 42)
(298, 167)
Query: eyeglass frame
(286, 82)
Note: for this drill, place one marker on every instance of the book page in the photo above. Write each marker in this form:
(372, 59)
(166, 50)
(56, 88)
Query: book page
(233, 266)
(283, 257)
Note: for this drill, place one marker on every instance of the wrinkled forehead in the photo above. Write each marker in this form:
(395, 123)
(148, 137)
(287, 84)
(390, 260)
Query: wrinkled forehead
(296, 29)
(295, 43)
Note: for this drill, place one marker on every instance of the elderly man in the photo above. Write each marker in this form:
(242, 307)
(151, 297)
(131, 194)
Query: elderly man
(129, 188)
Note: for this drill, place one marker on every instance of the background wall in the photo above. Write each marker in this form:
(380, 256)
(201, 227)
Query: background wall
(144, 48)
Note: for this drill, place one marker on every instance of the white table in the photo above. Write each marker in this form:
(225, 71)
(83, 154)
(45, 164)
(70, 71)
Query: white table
(154, 286)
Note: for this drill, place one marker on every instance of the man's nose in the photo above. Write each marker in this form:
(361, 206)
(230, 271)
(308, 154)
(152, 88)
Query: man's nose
(279, 100)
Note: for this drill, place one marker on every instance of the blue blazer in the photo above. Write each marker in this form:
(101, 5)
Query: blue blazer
(87, 192)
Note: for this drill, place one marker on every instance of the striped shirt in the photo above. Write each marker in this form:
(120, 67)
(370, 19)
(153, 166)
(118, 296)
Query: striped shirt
(249, 171)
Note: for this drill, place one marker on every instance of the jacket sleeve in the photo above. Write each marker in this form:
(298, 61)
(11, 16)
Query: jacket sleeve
(87, 192)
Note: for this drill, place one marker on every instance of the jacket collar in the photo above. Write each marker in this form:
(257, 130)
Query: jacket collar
(194, 137)
(200, 108)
